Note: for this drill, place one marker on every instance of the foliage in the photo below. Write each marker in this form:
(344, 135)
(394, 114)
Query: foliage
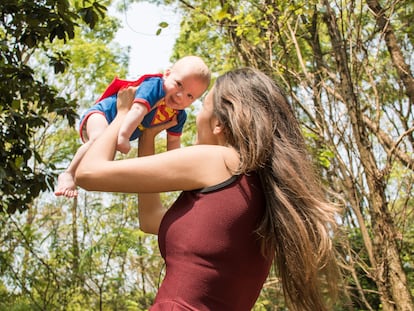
(347, 68)
(26, 100)
(342, 74)
(79, 257)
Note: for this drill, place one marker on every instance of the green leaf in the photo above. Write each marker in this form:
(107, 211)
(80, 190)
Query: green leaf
(163, 24)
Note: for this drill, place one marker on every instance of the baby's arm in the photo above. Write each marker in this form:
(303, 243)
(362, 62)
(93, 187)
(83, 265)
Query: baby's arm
(133, 118)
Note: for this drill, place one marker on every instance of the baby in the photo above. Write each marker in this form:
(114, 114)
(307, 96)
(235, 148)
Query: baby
(158, 99)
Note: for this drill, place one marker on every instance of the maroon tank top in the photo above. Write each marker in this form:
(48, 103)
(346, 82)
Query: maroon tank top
(212, 255)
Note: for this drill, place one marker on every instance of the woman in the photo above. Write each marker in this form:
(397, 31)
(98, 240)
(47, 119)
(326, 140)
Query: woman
(249, 197)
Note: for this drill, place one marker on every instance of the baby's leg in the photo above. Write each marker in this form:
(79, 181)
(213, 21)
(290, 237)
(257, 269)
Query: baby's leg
(95, 125)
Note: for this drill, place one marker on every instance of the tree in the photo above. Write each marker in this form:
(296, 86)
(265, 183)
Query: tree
(47, 252)
(346, 69)
(26, 100)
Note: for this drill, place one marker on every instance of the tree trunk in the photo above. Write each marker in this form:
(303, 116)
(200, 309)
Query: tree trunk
(388, 274)
(76, 278)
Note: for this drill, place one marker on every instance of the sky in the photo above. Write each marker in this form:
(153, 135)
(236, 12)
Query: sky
(149, 53)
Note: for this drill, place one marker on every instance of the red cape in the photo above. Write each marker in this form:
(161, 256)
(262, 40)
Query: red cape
(117, 84)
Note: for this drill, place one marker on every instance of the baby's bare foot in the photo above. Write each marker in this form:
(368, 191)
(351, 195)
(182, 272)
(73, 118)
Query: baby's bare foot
(66, 186)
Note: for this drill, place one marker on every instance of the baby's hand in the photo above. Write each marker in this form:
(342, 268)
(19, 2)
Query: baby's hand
(125, 98)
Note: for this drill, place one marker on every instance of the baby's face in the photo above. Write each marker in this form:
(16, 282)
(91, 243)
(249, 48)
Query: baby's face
(182, 89)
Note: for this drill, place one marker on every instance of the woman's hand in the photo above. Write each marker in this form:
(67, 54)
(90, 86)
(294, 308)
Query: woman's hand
(155, 130)
(125, 98)
(146, 141)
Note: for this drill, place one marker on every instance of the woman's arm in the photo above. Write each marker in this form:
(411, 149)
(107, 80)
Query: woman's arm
(180, 169)
(150, 209)
(173, 142)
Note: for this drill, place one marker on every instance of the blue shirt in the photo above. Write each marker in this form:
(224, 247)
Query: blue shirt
(149, 93)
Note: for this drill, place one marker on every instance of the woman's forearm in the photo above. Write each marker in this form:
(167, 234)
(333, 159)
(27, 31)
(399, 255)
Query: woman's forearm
(150, 208)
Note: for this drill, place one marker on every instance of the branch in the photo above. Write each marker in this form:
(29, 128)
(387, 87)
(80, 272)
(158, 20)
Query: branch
(394, 49)
(390, 145)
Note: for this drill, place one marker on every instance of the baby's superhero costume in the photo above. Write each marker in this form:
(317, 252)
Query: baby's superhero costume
(149, 93)
(212, 254)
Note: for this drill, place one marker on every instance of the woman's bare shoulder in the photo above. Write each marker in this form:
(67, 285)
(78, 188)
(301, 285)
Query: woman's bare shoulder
(228, 155)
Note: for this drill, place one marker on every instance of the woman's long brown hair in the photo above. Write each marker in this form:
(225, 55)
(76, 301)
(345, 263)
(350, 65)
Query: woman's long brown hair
(298, 222)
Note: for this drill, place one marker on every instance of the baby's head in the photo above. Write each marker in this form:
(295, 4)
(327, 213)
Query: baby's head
(186, 81)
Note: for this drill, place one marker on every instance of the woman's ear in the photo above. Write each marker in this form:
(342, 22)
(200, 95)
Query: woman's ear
(218, 128)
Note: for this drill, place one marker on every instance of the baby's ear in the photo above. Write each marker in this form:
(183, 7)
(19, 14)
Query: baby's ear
(167, 72)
